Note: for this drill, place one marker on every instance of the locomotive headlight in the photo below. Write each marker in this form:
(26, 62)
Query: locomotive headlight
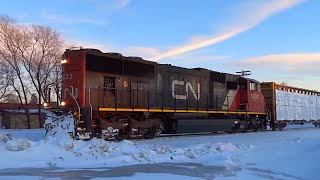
(63, 61)
(45, 104)
(63, 103)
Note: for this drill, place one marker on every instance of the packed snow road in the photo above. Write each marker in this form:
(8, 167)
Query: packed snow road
(288, 154)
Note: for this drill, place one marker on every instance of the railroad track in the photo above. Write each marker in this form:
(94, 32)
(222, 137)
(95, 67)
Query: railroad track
(226, 133)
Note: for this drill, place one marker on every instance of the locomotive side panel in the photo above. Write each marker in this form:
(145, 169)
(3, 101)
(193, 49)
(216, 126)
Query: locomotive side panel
(120, 82)
(183, 88)
(224, 90)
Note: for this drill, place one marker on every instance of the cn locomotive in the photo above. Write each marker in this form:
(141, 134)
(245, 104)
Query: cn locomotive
(113, 96)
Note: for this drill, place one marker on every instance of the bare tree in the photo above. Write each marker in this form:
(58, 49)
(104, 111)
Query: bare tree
(10, 98)
(10, 37)
(40, 54)
(34, 99)
(31, 54)
(55, 82)
(4, 81)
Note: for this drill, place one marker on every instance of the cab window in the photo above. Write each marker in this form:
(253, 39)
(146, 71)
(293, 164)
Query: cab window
(254, 86)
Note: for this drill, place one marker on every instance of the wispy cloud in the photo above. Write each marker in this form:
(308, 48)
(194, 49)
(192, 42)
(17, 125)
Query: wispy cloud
(109, 6)
(250, 16)
(140, 51)
(298, 69)
(197, 45)
(122, 3)
(293, 63)
(67, 19)
(284, 59)
(201, 58)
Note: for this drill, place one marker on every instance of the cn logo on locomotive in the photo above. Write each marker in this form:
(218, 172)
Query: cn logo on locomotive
(72, 91)
(188, 87)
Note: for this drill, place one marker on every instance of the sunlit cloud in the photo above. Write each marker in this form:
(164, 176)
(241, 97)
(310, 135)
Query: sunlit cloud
(198, 45)
(284, 59)
(298, 69)
(250, 16)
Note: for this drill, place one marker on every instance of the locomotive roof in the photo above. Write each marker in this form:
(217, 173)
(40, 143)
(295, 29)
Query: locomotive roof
(119, 56)
(290, 87)
(113, 55)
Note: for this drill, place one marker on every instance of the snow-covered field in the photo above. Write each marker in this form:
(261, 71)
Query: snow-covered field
(290, 154)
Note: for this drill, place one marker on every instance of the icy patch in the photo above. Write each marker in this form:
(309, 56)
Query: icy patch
(17, 145)
(5, 138)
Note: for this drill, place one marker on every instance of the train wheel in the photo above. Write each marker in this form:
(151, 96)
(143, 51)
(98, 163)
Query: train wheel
(150, 134)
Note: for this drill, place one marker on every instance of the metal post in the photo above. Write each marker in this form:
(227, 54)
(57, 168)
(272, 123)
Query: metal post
(228, 103)
(148, 99)
(208, 95)
(197, 104)
(116, 98)
(216, 104)
(137, 96)
(187, 101)
(175, 102)
(162, 97)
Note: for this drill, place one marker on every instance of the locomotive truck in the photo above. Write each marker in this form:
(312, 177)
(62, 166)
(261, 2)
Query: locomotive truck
(107, 95)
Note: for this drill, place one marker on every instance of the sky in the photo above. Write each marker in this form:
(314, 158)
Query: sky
(277, 40)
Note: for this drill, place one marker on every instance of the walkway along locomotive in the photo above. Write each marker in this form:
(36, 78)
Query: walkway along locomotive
(113, 96)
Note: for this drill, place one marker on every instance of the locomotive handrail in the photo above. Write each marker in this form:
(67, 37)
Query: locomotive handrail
(75, 99)
(89, 98)
(268, 112)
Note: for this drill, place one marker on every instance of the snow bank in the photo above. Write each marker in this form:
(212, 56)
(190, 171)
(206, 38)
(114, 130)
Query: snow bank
(5, 138)
(253, 153)
(226, 147)
(62, 151)
(17, 145)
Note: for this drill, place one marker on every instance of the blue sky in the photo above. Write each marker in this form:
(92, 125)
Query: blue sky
(278, 40)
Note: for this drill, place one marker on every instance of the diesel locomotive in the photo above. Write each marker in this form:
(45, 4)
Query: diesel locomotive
(113, 96)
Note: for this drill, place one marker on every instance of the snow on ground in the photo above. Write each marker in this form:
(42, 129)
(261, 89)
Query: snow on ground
(289, 154)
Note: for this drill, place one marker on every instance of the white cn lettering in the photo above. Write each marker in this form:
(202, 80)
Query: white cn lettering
(73, 92)
(188, 86)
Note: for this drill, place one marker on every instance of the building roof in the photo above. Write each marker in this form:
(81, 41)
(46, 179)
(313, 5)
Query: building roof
(16, 106)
